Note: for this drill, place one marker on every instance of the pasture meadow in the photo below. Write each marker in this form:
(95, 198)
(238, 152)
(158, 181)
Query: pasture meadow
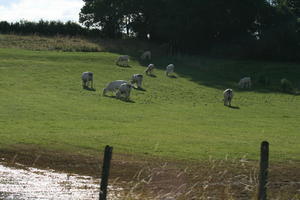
(44, 105)
(173, 139)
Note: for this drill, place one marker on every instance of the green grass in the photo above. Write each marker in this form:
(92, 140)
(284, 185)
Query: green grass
(43, 104)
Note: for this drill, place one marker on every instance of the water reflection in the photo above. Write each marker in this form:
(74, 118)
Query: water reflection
(31, 183)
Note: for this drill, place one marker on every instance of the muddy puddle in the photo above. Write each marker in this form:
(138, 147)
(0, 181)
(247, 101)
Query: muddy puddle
(25, 183)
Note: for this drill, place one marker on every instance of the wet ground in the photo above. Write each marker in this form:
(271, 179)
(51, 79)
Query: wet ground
(24, 183)
(140, 177)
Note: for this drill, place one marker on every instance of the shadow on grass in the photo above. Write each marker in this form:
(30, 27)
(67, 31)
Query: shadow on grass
(214, 72)
(124, 66)
(121, 99)
(140, 89)
(234, 107)
(89, 89)
(172, 76)
(295, 93)
(151, 75)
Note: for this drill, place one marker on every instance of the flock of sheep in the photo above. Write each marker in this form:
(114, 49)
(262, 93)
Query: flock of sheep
(245, 83)
(123, 88)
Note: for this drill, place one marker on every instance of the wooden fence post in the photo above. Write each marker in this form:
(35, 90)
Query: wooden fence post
(105, 172)
(263, 173)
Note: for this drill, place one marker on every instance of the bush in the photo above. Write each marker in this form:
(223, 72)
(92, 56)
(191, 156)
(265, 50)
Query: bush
(264, 80)
(48, 28)
(286, 85)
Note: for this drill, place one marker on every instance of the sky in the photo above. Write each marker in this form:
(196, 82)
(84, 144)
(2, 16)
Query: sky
(35, 10)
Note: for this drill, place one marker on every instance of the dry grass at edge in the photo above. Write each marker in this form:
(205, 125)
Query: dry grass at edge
(57, 43)
(141, 178)
(133, 47)
(216, 179)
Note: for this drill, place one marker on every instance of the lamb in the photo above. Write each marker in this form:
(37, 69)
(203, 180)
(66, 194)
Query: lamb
(149, 69)
(146, 55)
(123, 60)
(169, 69)
(245, 82)
(228, 95)
(113, 86)
(87, 77)
(137, 78)
(125, 90)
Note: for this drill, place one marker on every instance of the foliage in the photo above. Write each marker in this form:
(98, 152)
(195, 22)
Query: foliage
(249, 28)
(47, 28)
(256, 29)
(263, 80)
(278, 35)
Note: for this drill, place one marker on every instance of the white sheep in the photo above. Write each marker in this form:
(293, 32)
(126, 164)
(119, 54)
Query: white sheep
(228, 95)
(137, 78)
(149, 69)
(169, 69)
(245, 83)
(123, 60)
(125, 90)
(87, 77)
(146, 55)
(113, 86)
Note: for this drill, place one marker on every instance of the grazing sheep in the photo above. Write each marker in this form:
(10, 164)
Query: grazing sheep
(87, 77)
(228, 95)
(245, 82)
(137, 78)
(125, 90)
(146, 55)
(169, 69)
(123, 60)
(113, 86)
(149, 69)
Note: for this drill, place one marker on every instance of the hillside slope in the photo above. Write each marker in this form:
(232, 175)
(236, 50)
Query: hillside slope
(43, 105)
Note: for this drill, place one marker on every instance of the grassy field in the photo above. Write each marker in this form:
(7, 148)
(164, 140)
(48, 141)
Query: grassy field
(44, 106)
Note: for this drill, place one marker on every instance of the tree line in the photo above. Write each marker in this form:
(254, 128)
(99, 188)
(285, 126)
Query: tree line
(248, 28)
(268, 29)
(47, 28)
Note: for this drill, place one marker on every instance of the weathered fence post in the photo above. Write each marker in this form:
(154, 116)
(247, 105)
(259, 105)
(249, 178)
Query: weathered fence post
(263, 172)
(105, 172)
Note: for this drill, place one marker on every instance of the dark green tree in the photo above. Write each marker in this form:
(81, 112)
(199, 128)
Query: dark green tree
(108, 15)
(253, 27)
